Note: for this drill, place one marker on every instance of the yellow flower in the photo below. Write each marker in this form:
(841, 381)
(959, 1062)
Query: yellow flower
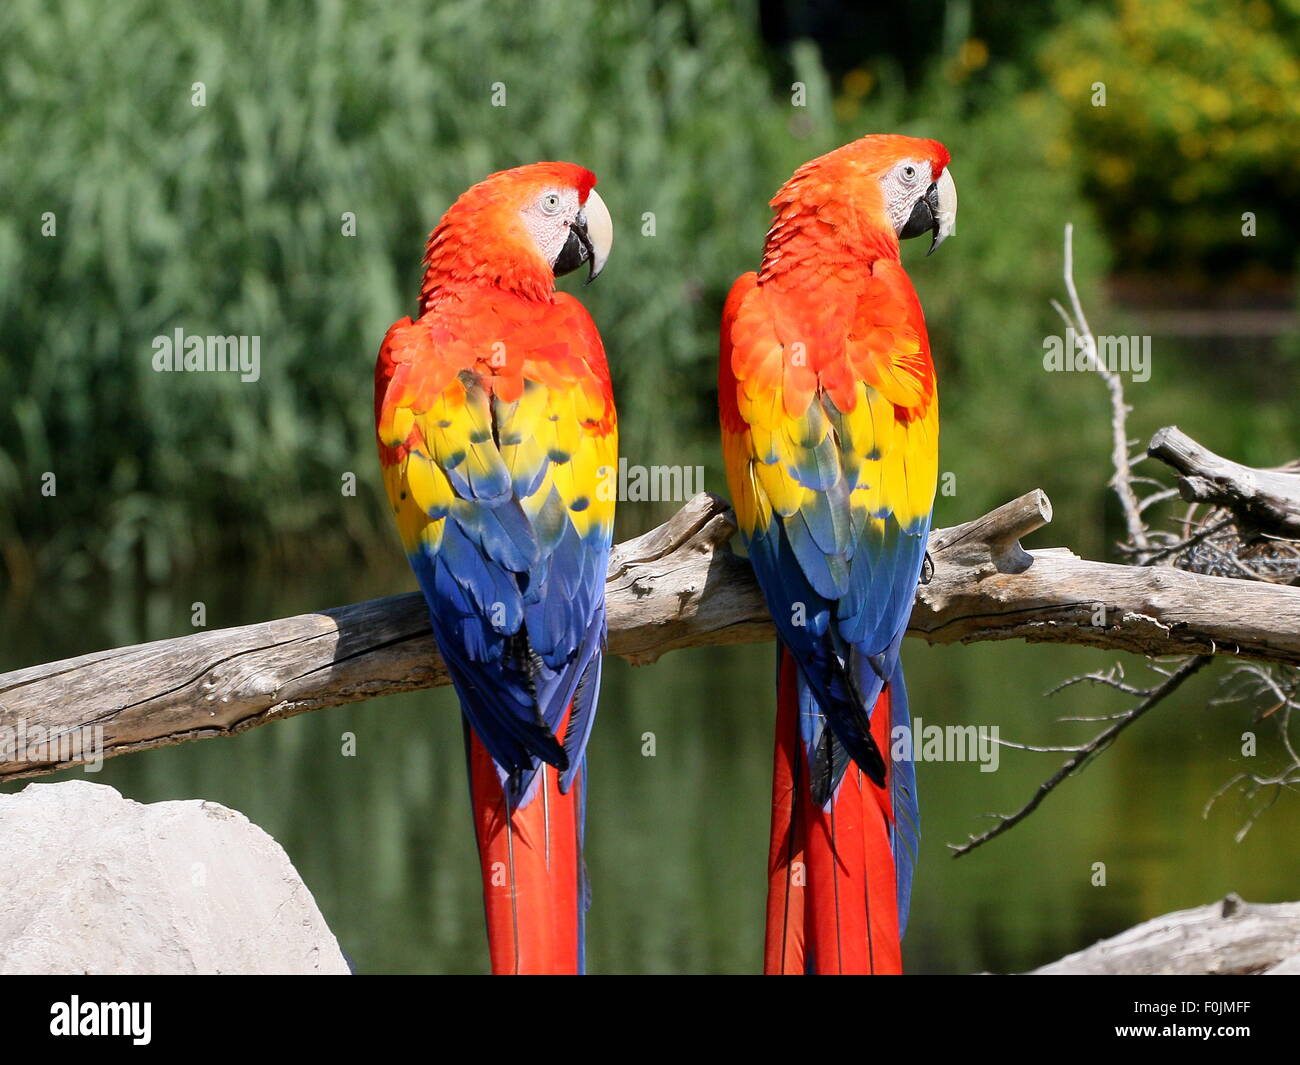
(973, 55)
(858, 83)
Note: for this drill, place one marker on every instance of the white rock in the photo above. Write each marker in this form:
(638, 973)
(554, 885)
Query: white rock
(91, 882)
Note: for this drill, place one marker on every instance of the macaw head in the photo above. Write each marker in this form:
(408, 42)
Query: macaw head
(918, 191)
(522, 228)
(880, 185)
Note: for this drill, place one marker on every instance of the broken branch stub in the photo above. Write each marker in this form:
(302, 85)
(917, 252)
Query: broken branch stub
(1267, 500)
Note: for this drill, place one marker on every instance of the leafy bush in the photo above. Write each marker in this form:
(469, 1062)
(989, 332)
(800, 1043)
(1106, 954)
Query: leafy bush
(1199, 126)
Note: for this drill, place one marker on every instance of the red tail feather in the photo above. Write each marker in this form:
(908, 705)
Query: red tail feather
(832, 903)
(531, 871)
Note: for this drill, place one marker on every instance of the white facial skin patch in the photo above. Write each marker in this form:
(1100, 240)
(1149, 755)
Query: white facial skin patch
(548, 218)
(902, 188)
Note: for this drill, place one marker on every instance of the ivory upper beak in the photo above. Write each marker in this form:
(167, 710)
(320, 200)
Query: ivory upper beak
(600, 231)
(946, 215)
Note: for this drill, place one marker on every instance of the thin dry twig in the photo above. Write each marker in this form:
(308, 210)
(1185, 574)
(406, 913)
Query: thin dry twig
(1122, 480)
(1084, 753)
(1275, 695)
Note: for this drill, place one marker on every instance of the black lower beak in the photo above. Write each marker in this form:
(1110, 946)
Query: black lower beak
(576, 251)
(924, 218)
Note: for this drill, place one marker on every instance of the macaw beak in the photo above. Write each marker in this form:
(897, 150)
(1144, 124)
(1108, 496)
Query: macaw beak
(590, 238)
(935, 212)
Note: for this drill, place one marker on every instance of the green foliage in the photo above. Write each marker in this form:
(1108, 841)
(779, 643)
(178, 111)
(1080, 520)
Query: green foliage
(227, 219)
(1199, 126)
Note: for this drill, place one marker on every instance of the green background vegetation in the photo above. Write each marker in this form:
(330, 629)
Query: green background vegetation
(226, 219)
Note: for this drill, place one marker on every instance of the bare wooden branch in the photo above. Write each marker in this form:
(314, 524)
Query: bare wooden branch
(1230, 937)
(1061, 598)
(1268, 500)
(994, 539)
(677, 586)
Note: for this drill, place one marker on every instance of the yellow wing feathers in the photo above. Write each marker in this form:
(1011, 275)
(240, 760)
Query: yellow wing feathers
(447, 435)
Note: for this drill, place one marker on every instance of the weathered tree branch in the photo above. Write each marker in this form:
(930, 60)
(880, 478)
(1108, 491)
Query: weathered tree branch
(1230, 937)
(981, 591)
(1269, 500)
(677, 586)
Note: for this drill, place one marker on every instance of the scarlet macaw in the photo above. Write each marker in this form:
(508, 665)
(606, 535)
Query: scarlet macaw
(496, 426)
(830, 430)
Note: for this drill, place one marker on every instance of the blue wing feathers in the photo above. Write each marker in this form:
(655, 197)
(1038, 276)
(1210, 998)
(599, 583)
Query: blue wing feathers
(517, 610)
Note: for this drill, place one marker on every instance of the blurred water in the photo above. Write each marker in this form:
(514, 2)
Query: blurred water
(677, 841)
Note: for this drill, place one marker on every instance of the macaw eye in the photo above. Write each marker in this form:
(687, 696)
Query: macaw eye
(551, 203)
(909, 173)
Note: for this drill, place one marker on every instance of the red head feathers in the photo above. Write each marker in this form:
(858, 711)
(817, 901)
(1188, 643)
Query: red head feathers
(514, 230)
